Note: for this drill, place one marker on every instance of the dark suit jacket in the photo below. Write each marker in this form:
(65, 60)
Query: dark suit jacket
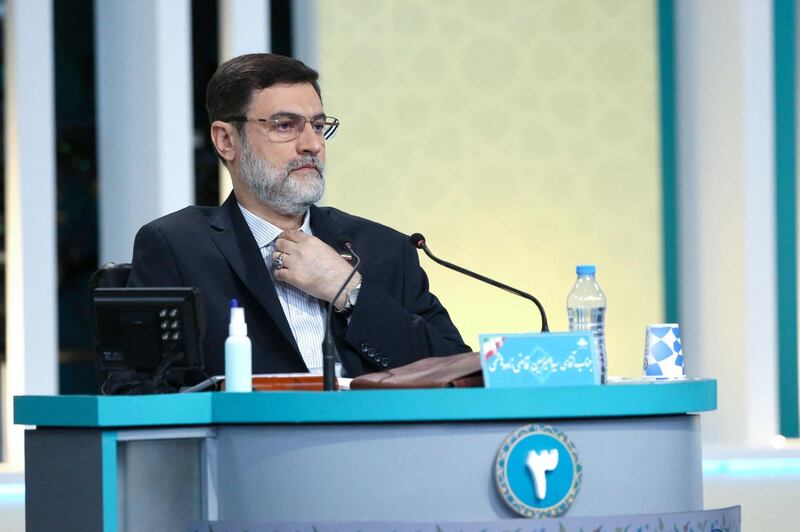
(396, 321)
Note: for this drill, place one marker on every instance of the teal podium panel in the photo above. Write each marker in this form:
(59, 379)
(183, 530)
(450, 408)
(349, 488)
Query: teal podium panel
(161, 462)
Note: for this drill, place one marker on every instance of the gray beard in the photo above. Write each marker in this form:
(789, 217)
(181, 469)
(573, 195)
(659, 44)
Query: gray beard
(276, 188)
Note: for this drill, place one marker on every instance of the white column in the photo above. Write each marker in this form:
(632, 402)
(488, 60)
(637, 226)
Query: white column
(144, 116)
(305, 32)
(30, 179)
(726, 174)
(244, 28)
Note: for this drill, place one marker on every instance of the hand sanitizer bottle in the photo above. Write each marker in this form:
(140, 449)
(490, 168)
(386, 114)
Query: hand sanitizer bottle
(238, 353)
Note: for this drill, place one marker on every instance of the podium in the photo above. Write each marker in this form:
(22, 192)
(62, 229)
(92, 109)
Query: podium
(158, 462)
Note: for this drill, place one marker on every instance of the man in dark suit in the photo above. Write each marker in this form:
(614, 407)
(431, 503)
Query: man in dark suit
(279, 255)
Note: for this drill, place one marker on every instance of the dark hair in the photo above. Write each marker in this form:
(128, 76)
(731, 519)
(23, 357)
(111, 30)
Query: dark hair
(231, 87)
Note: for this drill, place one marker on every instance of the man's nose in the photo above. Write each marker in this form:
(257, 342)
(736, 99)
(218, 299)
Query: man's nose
(309, 142)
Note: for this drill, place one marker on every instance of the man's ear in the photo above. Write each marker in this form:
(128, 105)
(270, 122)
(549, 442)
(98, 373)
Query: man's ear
(222, 136)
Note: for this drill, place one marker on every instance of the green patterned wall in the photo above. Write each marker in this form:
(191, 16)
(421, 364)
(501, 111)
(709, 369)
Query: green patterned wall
(521, 137)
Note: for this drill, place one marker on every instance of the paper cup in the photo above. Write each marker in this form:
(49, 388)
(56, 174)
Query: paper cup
(663, 353)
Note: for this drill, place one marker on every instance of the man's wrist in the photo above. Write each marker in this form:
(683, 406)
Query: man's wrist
(349, 297)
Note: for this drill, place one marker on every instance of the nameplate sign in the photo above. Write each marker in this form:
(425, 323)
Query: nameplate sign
(538, 359)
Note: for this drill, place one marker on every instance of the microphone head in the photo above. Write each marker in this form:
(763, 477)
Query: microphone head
(417, 240)
(344, 241)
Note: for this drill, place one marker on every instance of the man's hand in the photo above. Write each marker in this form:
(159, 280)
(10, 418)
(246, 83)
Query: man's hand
(312, 266)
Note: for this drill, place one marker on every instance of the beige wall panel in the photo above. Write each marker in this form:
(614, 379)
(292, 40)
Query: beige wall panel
(520, 137)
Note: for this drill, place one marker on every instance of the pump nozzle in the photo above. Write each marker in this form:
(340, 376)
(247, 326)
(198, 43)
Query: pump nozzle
(237, 326)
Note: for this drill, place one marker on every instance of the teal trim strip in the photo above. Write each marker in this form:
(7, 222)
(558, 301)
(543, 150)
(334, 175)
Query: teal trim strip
(154, 409)
(109, 449)
(465, 404)
(786, 213)
(78, 411)
(752, 467)
(669, 172)
(12, 492)
(100, 411)
(563, 402)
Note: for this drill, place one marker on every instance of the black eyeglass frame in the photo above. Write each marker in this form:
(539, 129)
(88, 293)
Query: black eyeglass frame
(332, 122)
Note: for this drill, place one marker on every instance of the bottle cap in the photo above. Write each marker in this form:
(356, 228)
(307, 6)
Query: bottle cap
(585, 269)
(237, 326)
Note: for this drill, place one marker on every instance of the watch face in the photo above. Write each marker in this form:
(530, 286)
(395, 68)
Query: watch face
(352, 295)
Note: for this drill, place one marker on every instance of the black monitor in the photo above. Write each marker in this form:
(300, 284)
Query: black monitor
(149, 330)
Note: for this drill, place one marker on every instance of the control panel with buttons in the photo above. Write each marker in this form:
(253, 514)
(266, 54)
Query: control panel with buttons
(141, 328)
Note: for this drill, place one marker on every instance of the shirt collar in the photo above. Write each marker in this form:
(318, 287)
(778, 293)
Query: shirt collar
(264, 232)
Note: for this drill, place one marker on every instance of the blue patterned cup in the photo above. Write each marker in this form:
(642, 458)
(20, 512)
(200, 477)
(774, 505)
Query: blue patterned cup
(663, 353)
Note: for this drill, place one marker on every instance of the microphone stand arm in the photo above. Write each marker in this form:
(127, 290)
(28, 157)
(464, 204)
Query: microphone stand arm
(328, 344)
(492, 282)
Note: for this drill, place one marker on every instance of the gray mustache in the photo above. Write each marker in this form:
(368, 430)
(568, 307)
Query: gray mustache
(299, 163)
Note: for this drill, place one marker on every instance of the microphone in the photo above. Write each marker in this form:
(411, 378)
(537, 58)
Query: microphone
(328, 345)
(419, 242)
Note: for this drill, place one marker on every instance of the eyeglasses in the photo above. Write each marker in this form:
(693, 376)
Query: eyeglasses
(288, 126)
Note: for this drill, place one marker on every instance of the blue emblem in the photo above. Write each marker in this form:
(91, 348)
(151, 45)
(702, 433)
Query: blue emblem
(537, 471)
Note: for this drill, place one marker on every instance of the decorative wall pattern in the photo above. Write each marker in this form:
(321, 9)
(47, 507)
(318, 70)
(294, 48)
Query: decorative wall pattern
(520, 137)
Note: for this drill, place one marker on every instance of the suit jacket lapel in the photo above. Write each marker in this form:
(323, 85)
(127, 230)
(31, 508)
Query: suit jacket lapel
(236, 243)
(323, 228)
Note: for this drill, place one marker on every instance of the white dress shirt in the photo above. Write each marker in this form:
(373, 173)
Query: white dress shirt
(305, 313)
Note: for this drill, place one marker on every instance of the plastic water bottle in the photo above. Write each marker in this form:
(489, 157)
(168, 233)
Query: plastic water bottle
(586, 309)
(238, 353)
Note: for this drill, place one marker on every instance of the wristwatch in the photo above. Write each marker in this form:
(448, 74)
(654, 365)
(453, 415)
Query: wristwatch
(350, 300)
